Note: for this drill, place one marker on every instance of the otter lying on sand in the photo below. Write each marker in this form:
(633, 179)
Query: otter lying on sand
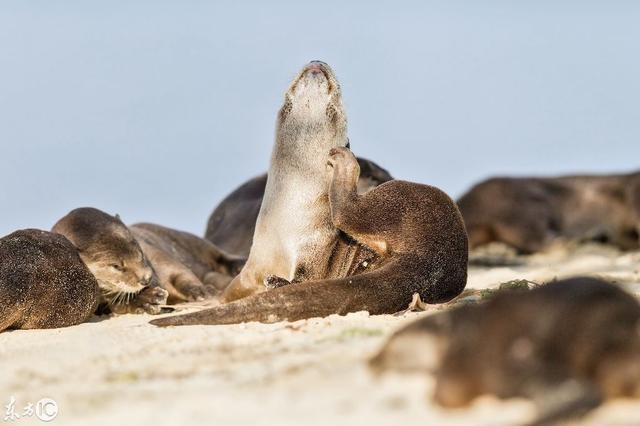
(530, 213)
(140, 266)
(115, 258)
(233, 222)
(568, 345)
(43, 282)
(189, 267)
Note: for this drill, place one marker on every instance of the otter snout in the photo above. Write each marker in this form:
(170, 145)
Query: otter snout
(316, 68)
(146, 280)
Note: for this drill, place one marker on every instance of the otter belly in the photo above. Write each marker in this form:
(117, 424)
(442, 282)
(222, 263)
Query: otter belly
(294, 236)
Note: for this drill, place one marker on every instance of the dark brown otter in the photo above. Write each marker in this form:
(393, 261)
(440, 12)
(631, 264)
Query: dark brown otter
(43, 282)
(530, 213)
(568, 345)
(416, 232)
(189, 267)
(233, 222)
(115, 258)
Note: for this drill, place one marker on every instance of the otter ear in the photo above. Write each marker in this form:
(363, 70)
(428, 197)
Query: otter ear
(118, 217)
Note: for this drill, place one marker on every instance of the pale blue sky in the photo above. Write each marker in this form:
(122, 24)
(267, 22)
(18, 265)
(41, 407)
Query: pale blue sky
(156, 110)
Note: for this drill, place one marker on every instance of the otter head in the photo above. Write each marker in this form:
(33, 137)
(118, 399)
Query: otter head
(110, 252)
(312, 113)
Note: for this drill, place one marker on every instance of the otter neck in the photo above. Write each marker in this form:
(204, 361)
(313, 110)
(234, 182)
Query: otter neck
(304, 146)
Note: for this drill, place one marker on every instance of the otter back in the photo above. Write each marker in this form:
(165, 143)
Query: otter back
(43, 282)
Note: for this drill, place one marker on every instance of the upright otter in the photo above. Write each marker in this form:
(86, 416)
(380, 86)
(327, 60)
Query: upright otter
(233, 222)
(567, 345)
(415, 231)
(189, 267)
(43, 282)
(115, 258)
(294, 236)
(529, 213)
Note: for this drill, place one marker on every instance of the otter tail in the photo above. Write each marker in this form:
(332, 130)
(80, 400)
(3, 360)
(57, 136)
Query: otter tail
(384, 290)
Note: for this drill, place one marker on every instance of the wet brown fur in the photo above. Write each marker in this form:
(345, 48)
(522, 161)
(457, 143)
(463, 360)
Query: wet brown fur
(567, 345)
(530, 213)
(43, 282)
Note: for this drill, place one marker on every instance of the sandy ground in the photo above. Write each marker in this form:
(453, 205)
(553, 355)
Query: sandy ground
(121, 370)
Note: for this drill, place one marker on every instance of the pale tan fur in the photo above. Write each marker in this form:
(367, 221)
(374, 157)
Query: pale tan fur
(294, 230)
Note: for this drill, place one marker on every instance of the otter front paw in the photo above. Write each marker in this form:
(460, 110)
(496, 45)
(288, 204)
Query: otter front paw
(151, 299)
(344, 163)
(339, 155)
(272, 282)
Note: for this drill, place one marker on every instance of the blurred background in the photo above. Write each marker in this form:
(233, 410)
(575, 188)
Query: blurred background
(156, 110)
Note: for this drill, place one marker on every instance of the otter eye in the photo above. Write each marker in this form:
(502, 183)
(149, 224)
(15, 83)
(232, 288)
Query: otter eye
(117, 267)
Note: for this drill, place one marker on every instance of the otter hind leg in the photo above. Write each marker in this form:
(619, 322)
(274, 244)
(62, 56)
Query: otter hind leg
(189, 285)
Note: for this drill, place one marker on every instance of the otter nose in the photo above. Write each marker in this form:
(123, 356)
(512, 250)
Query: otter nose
(146, 280)
(315, 67)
